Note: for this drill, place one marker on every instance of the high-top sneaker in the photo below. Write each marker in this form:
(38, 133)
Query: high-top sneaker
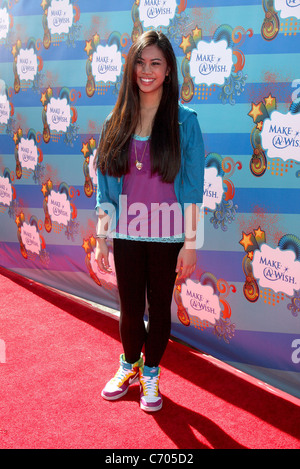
(150, 397)
(126, 375)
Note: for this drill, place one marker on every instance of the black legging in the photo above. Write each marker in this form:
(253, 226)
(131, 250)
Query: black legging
(145, 267)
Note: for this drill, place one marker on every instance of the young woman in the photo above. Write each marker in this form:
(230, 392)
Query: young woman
(150, 179)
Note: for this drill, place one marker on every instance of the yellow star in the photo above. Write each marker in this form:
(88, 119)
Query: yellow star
(15, 137)
(96, 38)
(92, 142)
(49, 91)
(14, 50)
(44, 189)
(43, 98)
(185, 43)
(259, 125)
(197, 33)
(17, 220)
(259, 233)
(85, 148)
(88, 47)
(44, 4)
(269, 100)
(246, 241)
(255, 111)
(86, 245)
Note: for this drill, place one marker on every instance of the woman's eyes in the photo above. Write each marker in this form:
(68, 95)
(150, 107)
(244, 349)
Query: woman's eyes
(140, 62)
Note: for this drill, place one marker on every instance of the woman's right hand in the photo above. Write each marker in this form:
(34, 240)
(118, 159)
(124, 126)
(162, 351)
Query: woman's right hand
(101, 255)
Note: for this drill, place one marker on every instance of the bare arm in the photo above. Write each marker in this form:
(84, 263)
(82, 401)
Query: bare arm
(187, 258)
(102, 252)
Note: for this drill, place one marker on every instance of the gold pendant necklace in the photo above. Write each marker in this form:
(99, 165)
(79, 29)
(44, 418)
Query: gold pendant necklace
(138, 163)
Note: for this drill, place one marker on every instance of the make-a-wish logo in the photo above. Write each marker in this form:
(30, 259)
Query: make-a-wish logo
(4, 23)
(213, 188)
(211, 62)
(157, 12)
(280, 135)
(4, 109)
(107, 63)
(200, 301)
(277, 269)
(60, 16)
(6, 192)
(59, 208)
(28, 153)
(27, 64)
(31, 238)
(58, 114)
(288, 8)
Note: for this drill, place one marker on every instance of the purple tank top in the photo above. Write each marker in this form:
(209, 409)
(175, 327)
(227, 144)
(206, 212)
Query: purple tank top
(149, 207)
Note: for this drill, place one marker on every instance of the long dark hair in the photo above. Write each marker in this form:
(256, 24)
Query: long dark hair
(112, 154)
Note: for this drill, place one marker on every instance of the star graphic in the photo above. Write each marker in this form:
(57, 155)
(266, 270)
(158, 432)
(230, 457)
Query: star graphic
(255, 111)
(15, 137)
(44, 4)
(88, 47)
(43, 98)
(259, 125)
(197, 33)
(49, 91)
(246, 241)
(269, 100)
(86, 245)
(96, 38)
(44, 189)
(92, 142)
(259, 233)
(85, 148)
(185, 43)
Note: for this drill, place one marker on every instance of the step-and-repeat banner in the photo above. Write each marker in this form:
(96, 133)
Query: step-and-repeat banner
(239, 68)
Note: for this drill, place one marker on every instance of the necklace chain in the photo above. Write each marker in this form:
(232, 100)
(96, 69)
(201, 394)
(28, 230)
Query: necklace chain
(138, 163)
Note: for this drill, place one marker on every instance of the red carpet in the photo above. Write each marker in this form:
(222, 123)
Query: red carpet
(58, 355)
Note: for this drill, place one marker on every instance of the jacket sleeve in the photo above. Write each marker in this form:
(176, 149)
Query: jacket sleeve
(193, 160)
(106, 197)
(107, 194)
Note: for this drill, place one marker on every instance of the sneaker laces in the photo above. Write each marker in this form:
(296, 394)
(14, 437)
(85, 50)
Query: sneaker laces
(150, 387)
(121, 375)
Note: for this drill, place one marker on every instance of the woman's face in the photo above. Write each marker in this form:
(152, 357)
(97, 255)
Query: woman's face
(151, 70)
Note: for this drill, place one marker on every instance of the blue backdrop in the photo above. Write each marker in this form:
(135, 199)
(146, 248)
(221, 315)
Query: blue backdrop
(239, 68)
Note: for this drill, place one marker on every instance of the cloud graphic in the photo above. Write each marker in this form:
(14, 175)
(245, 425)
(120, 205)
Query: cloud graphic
(276, 269)
(280, 136)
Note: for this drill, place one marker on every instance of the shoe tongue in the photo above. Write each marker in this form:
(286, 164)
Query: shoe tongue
(150, 371)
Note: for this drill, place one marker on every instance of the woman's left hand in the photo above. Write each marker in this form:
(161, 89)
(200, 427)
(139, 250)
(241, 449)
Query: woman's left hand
(186, 262)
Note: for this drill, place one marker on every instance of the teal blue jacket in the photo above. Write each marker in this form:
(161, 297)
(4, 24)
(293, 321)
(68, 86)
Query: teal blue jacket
(188, 184)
